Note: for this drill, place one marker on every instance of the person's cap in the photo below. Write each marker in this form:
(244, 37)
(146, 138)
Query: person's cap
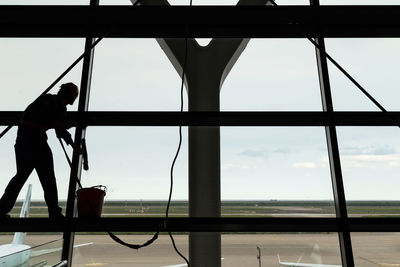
(69, 91)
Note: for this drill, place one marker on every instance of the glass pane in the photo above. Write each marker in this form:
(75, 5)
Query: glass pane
(141, 208)
(377, 73)
(370, 164)
(376, 249)
(61, 167)
(133, 74)
(237, 250)
(255, 82)
(38, 249)
(134, 162)
(38, 207)
(104, 251)
(7, 162)
(283, 168)
(48, 253)
(273, 74)
(244, 249)
(29, 65)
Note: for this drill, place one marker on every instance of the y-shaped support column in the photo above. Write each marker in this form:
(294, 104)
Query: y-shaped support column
(205, 71)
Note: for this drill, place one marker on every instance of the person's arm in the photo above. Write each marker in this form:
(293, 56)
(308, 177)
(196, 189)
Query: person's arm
(61, 125)
(64, 134)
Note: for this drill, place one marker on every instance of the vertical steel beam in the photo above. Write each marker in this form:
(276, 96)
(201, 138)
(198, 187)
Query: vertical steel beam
(80, 133)
(333, 152)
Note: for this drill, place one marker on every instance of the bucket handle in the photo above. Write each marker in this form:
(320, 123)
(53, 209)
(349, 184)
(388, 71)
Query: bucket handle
(101, 187)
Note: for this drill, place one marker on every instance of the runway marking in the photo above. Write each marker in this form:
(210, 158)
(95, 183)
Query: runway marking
(380, 264)
(95, 264)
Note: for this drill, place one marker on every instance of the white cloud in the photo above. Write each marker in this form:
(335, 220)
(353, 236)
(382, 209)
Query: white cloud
(235, 166)
(254, 153)
(368, 150)
(392, 160)
(324, 162)
(227, 166)
(306, 165)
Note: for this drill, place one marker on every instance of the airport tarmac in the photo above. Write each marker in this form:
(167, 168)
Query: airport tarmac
(238, 250)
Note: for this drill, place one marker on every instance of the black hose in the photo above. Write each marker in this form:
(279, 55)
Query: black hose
(93, 211)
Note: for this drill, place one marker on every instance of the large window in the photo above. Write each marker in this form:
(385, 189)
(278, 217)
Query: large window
(284, 176)
(375, 72)
(273, 75)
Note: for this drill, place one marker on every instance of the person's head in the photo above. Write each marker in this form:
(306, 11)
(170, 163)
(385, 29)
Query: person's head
(69, 92)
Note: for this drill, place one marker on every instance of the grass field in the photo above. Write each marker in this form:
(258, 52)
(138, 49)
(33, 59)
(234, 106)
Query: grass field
(236, 208)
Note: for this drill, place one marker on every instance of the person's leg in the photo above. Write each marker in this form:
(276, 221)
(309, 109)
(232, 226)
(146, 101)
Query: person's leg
(24, 161)
(45, 169)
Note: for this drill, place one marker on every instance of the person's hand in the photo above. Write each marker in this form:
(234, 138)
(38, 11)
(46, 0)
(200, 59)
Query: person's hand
(77, 149)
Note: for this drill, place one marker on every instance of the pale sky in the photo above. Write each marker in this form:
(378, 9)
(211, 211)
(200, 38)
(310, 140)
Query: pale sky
(256, 162)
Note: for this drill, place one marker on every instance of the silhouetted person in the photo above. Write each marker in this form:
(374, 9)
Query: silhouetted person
(33, 152)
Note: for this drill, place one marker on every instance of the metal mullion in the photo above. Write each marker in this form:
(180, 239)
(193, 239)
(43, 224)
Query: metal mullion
(339, 196)
(204, 224)
(346, 250)
(247, 118)
(170, 21)
(80, 133)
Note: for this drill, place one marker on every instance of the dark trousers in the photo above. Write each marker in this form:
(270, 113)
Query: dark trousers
(32, 153)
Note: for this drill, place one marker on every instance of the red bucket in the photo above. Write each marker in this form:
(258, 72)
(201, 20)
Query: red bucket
(90, 201)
